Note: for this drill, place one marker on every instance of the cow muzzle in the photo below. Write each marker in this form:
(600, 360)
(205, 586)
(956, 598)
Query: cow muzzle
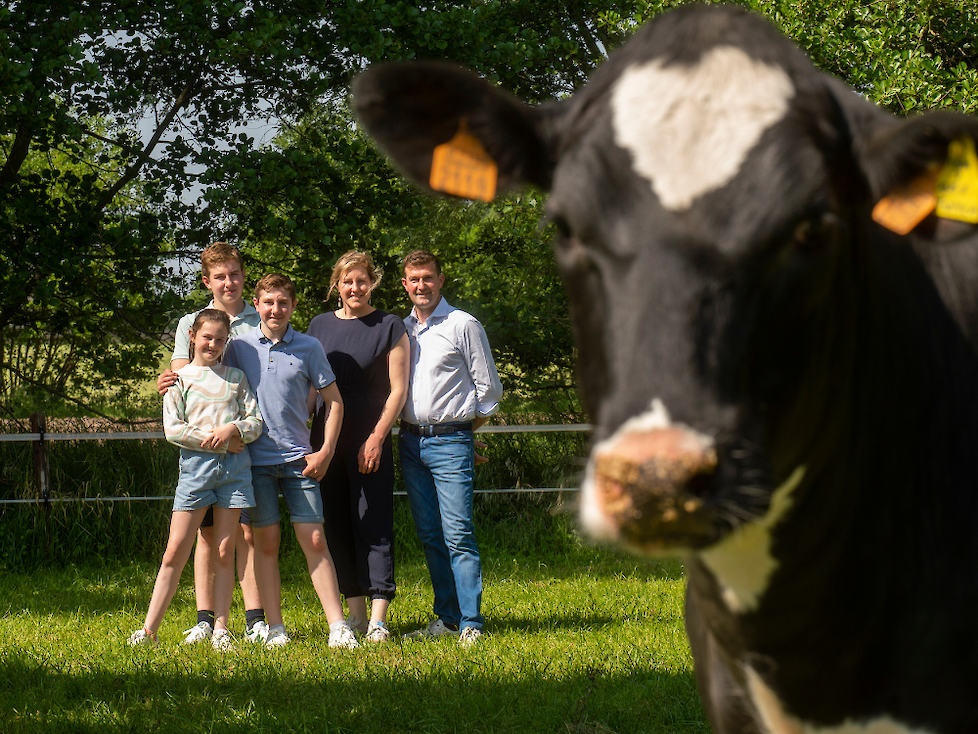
(645, 486)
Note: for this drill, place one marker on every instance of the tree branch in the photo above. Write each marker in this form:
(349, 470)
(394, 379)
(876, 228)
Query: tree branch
(130, 173)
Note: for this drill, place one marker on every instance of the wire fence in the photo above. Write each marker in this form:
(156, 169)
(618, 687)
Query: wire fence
(40, 440)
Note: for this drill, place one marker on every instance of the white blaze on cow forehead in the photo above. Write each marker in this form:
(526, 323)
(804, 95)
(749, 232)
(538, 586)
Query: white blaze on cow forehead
(742, 562)
(777, 721)
(690, 128)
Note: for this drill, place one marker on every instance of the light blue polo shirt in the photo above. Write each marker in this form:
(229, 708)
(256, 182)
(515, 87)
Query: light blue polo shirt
(281, 375)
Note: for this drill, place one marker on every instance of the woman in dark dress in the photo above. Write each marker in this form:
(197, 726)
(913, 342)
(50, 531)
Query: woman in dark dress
(369, 353)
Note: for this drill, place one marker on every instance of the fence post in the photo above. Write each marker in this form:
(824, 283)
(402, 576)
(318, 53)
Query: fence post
(42, 476)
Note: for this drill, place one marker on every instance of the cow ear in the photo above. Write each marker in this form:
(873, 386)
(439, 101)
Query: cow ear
(921, 171)
(413, 109)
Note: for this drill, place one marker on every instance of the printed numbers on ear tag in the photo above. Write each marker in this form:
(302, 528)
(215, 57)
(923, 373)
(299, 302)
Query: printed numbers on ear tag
(957, 186)
(462, 167)
(904, 208)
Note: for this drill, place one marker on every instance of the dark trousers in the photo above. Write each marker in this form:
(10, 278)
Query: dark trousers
(358, 512)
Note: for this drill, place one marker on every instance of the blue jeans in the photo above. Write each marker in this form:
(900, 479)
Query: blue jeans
(438, 472)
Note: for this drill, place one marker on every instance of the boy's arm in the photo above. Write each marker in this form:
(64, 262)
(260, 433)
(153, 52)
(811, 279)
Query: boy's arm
(181, 353)
(168, 377)
(317, 463)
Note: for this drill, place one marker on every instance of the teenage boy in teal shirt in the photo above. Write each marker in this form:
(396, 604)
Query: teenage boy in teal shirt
(283, 366)
(223, 274)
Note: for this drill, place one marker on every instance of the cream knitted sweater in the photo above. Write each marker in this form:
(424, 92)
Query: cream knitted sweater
(205, 398)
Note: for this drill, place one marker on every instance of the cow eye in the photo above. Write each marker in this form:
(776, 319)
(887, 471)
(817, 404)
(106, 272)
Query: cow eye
(817, 231)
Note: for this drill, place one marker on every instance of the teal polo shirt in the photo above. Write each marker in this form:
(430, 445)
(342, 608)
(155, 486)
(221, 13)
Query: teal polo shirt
(243, 323)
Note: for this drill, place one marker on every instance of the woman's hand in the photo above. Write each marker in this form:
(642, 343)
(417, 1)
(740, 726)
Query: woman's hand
(369, 455)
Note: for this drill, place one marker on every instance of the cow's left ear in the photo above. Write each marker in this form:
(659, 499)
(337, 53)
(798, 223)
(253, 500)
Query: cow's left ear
(922, 171)
(413, 108)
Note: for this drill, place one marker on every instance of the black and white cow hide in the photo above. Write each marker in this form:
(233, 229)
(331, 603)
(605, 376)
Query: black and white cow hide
(785, 391)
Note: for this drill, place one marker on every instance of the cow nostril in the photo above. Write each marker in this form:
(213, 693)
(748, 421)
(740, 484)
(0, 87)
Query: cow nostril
(700, 485)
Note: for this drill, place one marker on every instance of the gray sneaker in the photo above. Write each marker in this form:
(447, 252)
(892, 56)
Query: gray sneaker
(470, 636)
(341, 635)
(435, 628)
(200, 632)
(258, 633)
(277, 636)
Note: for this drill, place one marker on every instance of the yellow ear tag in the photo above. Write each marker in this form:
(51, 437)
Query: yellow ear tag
(904, 208)
(462, 167)
(957, 186)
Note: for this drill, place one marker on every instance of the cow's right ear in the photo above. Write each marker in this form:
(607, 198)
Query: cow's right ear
(412, 108)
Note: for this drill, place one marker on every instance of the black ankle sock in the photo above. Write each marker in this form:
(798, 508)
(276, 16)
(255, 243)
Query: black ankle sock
(252, 616)
(205, 615)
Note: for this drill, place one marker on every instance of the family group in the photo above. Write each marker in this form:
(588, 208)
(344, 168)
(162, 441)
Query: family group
(238, 398)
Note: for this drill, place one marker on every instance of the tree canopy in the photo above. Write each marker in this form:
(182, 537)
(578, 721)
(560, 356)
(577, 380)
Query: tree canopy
(121, 142)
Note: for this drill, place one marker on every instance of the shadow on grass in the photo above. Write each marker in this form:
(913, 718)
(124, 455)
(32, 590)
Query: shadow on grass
(163, 690)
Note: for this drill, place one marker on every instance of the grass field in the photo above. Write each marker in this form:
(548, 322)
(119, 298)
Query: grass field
(578, 640)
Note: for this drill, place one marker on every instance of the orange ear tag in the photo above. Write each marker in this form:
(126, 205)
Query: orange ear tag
(904, 208)
(957, 186)
(461, 167)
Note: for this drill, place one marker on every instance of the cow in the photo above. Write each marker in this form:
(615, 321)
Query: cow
(772, 285)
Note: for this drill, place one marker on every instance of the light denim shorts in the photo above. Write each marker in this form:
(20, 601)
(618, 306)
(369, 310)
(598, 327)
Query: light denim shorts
(301, 494)
(213, 479)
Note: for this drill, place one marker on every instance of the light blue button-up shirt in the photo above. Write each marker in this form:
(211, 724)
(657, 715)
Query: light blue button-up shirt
(453, 377)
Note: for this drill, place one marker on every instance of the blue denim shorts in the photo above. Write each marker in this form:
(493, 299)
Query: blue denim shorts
(213, 479)
(301, 494)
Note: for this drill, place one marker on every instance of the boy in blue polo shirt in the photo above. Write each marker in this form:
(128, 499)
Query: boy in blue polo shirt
(282, 366)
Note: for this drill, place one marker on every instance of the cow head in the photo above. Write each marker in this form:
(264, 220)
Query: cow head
(710, 189)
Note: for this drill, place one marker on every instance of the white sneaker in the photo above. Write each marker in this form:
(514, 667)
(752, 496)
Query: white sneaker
(141, 637)
(470, 636)
(200, 632)
(258, 633)
(435, 628)
(341, 635)
(377, 632)
(222, 640)
(277, 636)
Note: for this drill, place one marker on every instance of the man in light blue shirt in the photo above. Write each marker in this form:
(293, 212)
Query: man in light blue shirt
(452, 391)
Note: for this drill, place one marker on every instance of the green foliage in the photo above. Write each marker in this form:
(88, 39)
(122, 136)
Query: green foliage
(113, 155)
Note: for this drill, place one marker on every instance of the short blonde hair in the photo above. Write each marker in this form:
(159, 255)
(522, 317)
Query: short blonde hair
(354, 260)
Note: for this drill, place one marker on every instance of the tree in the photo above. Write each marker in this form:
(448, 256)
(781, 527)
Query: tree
(120, 140)
(114, 113)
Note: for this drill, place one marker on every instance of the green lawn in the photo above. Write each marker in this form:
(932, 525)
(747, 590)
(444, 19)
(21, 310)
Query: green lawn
(584, 641)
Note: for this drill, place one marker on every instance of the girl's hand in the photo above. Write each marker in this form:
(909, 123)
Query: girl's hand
(220, 436)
